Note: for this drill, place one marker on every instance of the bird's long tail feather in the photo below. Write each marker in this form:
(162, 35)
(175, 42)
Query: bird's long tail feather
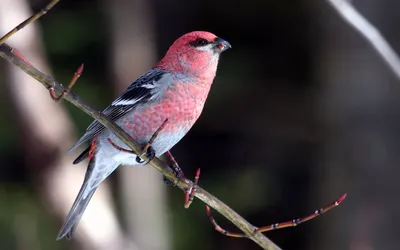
(82, 200)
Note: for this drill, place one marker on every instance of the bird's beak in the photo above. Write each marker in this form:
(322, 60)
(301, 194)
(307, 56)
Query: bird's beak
(221, 45)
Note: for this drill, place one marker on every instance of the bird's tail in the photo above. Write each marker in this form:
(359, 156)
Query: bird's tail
(82, 200)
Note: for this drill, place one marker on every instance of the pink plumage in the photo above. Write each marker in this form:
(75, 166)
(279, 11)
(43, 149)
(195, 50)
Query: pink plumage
(181, 57)
(181, 106)
(176, 89)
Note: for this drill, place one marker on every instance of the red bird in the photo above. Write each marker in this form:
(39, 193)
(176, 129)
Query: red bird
(176, 89)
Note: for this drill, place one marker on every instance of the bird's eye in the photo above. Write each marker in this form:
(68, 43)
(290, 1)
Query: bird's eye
(199, 42)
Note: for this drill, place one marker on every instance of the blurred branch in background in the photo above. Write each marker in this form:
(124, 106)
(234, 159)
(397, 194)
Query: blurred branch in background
(31, 19)
(46, 132)
(143, 198)
(371, 34)
(360, 115)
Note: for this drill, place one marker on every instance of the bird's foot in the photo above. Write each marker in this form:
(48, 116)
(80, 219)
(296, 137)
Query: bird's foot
(150, 154)
(178, 173)
(120, 148)
(189, 193)
(148, 149)
(177, 170)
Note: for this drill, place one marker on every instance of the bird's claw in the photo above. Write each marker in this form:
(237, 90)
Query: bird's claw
(178, 173)
(177, 170)
(150, 154)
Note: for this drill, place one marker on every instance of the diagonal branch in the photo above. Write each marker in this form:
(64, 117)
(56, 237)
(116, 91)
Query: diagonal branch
(32, 19)
(344, 8)
(13, 56)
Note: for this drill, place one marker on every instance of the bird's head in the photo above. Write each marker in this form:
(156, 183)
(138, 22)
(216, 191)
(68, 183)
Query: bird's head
(195, 53)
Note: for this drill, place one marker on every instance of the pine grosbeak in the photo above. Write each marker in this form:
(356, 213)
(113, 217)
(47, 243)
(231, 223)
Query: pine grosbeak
(176, 89)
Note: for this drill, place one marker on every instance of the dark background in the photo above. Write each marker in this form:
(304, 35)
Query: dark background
(302, 110)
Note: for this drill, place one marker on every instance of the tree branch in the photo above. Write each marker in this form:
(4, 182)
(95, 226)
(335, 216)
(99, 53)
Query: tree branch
(13, 56)
(33, 18)
(370, 33)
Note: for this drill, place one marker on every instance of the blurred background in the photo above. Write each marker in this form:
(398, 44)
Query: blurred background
(302, 111)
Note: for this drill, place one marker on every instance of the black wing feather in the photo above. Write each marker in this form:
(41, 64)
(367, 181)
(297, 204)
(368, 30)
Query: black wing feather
(138, 92)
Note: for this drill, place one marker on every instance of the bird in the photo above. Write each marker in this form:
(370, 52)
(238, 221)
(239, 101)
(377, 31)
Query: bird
(175, 88)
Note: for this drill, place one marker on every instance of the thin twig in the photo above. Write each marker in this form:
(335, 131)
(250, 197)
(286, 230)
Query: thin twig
(33, 18)
(154, 136)
(18, 60)
(275, 226)
(77, 74)
(189, 194)
(370, 33)
(129, 151)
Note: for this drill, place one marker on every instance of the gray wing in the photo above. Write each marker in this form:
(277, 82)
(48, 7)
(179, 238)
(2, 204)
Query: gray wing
(140, 91)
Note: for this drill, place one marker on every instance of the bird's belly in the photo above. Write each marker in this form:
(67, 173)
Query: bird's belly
(162, 144)
(141, 125)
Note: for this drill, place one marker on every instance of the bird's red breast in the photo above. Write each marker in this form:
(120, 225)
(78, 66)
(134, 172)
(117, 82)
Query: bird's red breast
(182, 105)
